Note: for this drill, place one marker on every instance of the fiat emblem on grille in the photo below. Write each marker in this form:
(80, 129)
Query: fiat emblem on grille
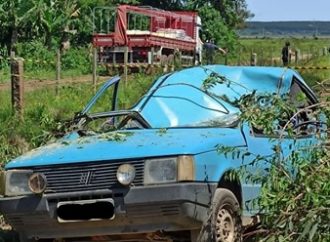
(86, 178)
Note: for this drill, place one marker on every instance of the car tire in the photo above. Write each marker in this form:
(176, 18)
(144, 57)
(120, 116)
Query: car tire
(224, 224)
(227, 221)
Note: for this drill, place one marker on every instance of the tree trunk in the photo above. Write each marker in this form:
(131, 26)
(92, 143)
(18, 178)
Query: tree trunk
(13, 39)
(48, 39)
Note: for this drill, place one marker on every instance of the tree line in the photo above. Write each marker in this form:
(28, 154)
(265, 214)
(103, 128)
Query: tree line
(56, 22)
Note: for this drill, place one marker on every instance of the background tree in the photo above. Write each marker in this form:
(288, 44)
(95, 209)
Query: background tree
(164, 4)
(11, 15)
(220, 19)
(233, 12)
(55, 22)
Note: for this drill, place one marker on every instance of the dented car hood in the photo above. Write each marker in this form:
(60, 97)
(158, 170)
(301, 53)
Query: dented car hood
(137, 144)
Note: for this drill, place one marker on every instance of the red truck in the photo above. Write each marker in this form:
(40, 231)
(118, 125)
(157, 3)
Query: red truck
(148, 35)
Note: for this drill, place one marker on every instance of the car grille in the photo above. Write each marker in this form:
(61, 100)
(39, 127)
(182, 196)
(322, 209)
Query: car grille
(87, 176)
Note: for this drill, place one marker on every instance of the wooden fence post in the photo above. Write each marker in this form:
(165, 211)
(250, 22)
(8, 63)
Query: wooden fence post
(58, 65)
(296, 56)
(261, 57)
(152, 52)
(58, 69)
(94, 67)
(325, 51)
(271, 57)
(239, 56)
(125, 63)
(17, 85)
(311, 56)
(253, 59)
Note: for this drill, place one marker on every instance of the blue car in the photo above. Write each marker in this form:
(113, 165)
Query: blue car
(153, 172)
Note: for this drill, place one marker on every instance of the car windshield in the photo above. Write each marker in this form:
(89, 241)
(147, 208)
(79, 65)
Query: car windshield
(172, 105)
(184, 105)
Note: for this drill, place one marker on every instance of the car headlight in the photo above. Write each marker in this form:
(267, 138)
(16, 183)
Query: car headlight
(169, 170)
(37, 183)
(126, 174)
(22, 182)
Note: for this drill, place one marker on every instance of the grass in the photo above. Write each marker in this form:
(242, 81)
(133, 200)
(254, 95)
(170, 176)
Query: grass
(44, 110)
(316, 76)
(269, 51)
(269, 54)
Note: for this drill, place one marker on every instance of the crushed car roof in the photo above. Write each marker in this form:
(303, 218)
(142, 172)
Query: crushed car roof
(240, 80)
(263, 79)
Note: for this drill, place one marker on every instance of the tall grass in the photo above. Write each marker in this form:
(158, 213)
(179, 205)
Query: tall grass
(269, 51)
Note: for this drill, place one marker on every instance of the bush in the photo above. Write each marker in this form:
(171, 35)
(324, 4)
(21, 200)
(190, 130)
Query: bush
(37, 57)
(77, 59)
(40, 62)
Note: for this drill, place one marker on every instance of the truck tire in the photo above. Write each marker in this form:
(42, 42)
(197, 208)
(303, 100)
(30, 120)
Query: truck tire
(225, 223)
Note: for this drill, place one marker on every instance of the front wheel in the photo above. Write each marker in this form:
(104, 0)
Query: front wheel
(225, 223)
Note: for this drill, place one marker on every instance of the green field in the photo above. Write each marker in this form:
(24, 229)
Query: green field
(311, 53)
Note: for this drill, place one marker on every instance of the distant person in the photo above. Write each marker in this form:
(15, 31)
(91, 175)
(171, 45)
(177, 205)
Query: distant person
(286, 54)
(210, 48)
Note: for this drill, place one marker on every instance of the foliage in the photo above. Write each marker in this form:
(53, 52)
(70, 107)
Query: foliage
(77, 59)
(268, 113)
(40, 62)
(297, 206)
(233, 12)
(294, 200)
(36, 56)
(58, 21)
(215, 28)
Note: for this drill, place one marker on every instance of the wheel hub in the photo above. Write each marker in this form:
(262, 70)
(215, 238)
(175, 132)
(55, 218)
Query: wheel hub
(225, 226)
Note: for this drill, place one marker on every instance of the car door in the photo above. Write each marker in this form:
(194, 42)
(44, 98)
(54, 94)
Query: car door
(306, 125)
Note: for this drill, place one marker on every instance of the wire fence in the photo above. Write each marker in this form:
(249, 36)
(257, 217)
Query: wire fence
(51, 67)
(270, 56)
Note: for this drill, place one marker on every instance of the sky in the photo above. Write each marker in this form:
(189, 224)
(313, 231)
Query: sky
(289, 10)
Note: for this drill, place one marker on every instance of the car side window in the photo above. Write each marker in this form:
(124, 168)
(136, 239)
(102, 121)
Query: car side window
(305, 121)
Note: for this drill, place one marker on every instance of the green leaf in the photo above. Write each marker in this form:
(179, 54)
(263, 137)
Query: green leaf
(313, 231)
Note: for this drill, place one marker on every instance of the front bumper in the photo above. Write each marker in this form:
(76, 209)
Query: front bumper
(170, 207)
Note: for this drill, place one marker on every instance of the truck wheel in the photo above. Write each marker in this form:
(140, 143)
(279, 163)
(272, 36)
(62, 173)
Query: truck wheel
(226, 221)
